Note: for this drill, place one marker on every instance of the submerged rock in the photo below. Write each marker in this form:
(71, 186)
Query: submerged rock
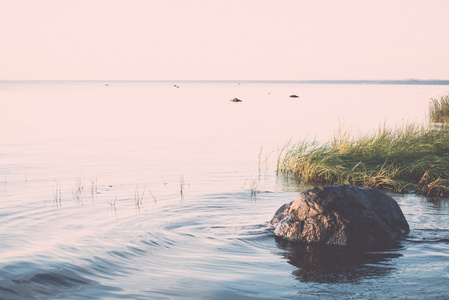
(294, 96)
(235, 100)
(341, 215)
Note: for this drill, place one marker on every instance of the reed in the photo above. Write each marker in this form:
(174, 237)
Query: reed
(253, 187)
(138, 198)
(154, 198)
(78, 192)
(263, 162)
(57, 195)
(112, 204)
(402, 159)
(94, 187)
(6, 176)
(181, 185)
(439, 110)
(260, 160)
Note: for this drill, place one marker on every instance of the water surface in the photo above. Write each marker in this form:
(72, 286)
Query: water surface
(142, 190)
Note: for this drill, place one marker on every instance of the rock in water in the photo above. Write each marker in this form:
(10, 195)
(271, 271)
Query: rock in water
(341, 215)
(235, 100)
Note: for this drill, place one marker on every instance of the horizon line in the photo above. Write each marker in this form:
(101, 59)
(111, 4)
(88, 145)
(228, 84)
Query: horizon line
(310, 81)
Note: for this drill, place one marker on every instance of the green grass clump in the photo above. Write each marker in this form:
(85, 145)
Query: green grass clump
(408, 158)
(439, 110)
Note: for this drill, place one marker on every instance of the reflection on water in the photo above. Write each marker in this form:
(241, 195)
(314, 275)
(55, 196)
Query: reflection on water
(438, 202)
(336, 264)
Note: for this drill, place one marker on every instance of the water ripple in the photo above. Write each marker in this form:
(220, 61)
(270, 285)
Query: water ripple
(39, 284)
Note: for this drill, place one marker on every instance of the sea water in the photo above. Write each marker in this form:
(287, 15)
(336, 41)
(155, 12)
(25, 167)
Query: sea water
(163, 190)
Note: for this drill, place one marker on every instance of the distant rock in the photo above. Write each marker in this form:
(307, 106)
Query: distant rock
(235, 100)
(341, 215)
(294, 96)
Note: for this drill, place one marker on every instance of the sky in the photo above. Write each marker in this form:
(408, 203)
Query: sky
(223, 40)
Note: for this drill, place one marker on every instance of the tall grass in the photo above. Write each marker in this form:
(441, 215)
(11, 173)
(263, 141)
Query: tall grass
(439, 110)
(408, 158)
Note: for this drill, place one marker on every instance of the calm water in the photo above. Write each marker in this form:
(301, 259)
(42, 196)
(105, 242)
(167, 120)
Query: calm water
(141, 190)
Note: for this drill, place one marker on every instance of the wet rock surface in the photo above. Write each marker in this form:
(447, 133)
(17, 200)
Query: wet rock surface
(341, 215)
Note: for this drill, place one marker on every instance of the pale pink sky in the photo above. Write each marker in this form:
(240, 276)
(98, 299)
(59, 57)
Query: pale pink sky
(206, 39)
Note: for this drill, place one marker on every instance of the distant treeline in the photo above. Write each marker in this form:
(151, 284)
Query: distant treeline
(395, 82)
(405, 82)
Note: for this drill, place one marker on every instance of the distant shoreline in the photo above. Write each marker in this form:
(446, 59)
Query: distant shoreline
(394, 82)
(371, 82)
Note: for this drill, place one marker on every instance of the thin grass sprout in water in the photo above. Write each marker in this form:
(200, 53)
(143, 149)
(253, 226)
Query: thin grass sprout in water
(138, 198)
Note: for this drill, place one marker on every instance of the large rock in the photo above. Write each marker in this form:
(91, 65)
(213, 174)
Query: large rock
(341, 215)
